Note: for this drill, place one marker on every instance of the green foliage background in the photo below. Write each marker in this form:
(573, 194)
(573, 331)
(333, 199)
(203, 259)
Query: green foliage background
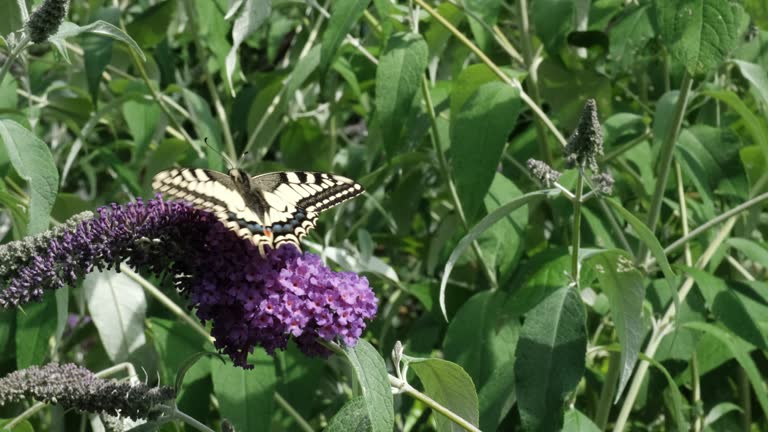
(519, 308)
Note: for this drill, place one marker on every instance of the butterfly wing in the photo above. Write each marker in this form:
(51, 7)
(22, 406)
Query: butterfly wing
(295, 199)
(278, 208)
(215, 192)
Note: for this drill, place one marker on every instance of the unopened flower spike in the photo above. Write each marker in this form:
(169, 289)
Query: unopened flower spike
(586, 143)
(543, 172)
(250, 300)
(46, 20)
(74, 387)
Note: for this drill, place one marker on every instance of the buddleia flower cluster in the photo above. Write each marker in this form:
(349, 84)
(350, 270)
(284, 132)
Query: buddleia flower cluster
(250, 300)
(74, 387)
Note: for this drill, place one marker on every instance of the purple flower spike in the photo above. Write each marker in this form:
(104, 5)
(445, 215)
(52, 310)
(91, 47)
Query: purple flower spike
(250, 300)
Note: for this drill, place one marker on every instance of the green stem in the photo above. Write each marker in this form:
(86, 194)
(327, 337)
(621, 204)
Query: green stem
(495, 69)
(156, 96)
(303, 425)
(165, 301)
(435, 137)
(218, 106)
(576, 239)
(698, 420)
(189, 420)
(526, 35)
(716, 220)
(665, 157)
(626, 147)
(661, 328)
(406, 388)
(608, 391)
(608, 212)
(23, 43)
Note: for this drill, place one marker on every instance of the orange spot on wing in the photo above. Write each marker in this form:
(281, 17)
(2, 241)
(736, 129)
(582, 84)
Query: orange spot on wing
(268, 232)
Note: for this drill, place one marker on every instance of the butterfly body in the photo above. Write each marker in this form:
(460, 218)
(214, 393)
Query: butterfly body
(269, 209)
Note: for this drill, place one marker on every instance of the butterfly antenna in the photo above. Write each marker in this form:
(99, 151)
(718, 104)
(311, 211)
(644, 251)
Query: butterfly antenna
(229, 162)
(239, 161)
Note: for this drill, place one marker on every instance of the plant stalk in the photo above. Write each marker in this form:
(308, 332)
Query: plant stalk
(533, 77)
(23, 43)
(489, 272)
(662, 328)
(495, 69)
(576, 234)
(608, 391)
(405, 387)
(665, 158)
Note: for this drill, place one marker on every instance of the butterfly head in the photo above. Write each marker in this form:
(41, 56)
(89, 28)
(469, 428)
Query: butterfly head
(239, 176)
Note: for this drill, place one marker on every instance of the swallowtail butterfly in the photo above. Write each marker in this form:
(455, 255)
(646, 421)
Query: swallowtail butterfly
(269, 209)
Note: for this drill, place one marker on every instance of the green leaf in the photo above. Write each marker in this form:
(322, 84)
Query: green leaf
(728, 306)
(629, 35)
(502, 244)
(758, 12)
(753, 124)
(483, 122)
(176, 344)
(757, 77)
(97, 51)
(374, 385)
(33, 161)
(437, 36)
(68, 30)
(398, 78)
(482, 12)
(35, 326)
(24, 426)
(11, 19)
(483, 335)
(698, 33)
(467, 83)
(625, 288)
(553, 20)
(575, 421)
(751, 249)
(250, 17)
(550, 359)
(143, 118)
(477, 230)
(651, 242)
(677, 398)
(246, 396)
(151, 26)
(7, 332)
(497, 397)
(351, 417)
(546, 272)
(206, 126)
(118, 308)
(344, 15)
(449, 385)
(741, 353)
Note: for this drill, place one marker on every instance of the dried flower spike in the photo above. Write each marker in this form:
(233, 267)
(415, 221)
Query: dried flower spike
(46, 20)
(251, 300)
(586, 143)
(603, 183)
(73, 386)
(543, 172)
